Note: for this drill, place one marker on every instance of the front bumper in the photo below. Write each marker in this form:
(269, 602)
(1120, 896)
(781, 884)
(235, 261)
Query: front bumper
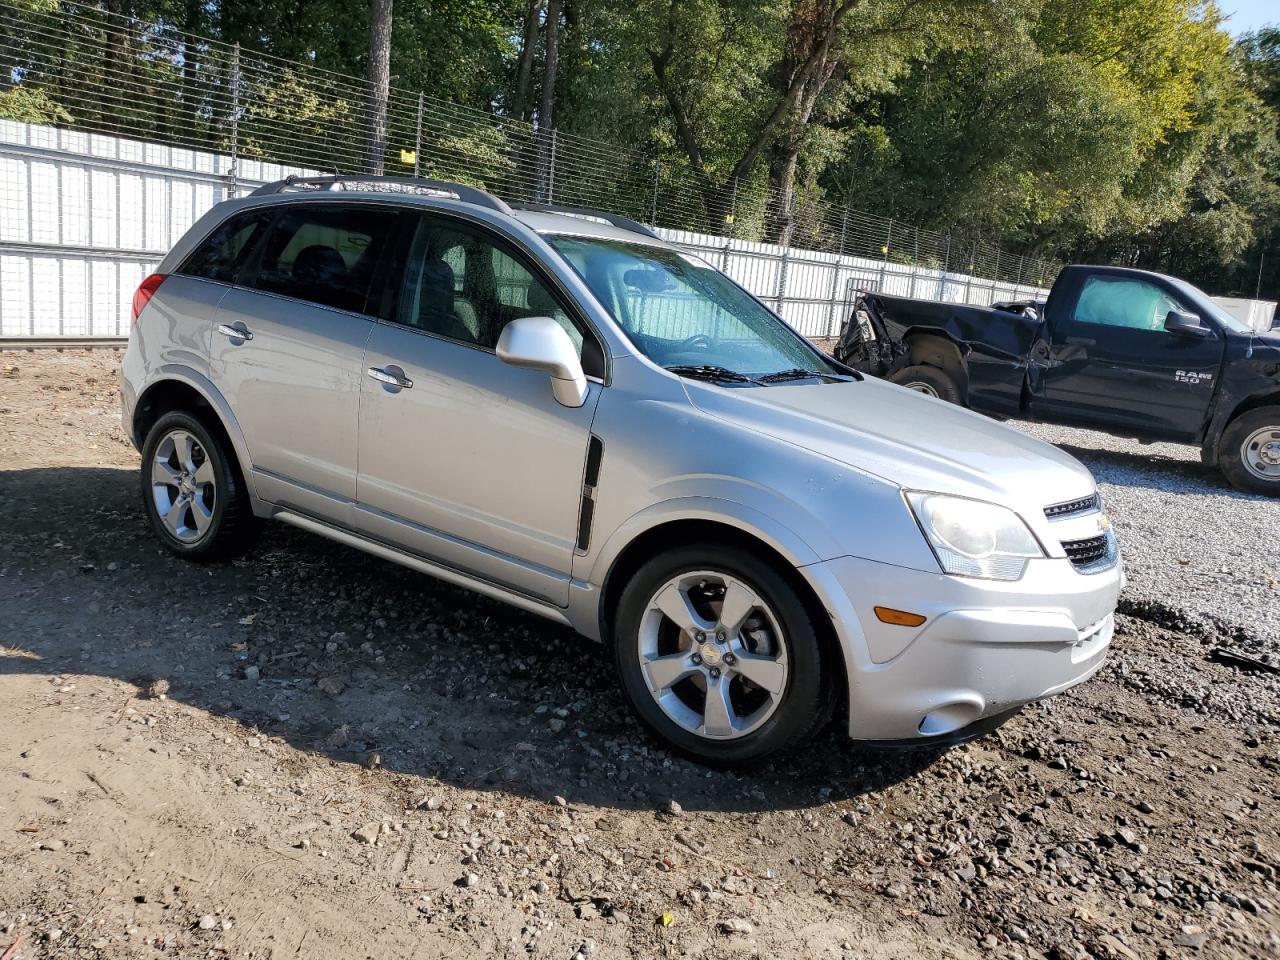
(986, 648)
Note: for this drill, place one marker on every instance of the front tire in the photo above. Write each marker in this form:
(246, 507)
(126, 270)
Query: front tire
(192, 490)
(719, 657)
(1249, 451)
(931, 381)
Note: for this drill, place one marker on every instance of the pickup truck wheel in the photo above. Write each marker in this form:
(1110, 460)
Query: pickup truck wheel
(718, 656)
(1249, 451)
(931, 381)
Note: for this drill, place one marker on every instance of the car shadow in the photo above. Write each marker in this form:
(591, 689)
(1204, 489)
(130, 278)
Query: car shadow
(345, 655)
(1153, 471)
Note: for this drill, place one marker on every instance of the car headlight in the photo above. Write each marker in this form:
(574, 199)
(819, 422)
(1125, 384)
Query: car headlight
(971, 538)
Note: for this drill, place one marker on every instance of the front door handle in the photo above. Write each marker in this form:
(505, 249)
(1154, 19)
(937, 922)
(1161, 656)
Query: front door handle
(235, 333)
(390, 378)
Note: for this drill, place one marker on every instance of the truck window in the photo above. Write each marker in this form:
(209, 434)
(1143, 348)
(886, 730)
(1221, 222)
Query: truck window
(1124, 302)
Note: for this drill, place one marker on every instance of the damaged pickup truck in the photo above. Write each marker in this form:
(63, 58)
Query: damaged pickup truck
(1133, 353)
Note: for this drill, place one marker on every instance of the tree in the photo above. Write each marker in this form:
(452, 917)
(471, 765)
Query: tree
(528, 51)
(379, 84)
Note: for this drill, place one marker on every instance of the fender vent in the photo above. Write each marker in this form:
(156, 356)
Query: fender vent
(590, 478)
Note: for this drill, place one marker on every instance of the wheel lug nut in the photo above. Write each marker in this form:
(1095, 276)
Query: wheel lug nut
(697, 658)
(715, 673)
(730, 659)
(720, 635)
(700, 636)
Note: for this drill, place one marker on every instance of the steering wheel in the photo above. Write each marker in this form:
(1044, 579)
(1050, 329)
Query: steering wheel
(699, 340)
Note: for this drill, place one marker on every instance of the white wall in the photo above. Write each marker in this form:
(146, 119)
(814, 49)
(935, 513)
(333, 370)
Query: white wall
(84, 217)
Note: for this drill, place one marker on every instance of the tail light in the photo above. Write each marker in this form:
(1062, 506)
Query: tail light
(142, 296)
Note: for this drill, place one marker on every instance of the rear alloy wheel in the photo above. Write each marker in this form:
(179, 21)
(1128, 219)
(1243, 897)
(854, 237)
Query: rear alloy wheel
(719, 657)
(931, 381)
(192, 491)
(1249, 451)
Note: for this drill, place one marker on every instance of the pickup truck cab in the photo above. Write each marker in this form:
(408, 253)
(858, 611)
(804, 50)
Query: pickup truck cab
(1129, 352)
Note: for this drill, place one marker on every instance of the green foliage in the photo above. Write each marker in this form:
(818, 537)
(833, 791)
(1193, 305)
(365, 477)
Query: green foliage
(31, 105)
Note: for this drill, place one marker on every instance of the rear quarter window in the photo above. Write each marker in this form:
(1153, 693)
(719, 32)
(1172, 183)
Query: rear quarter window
(219, 255)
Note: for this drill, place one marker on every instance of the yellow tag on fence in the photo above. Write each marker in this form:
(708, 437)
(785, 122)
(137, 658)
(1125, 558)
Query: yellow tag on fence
(409, 156)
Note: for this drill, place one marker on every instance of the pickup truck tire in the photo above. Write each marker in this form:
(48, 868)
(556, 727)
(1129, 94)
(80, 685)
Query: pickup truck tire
(680, 663)
(1249, 451)
(930, 381)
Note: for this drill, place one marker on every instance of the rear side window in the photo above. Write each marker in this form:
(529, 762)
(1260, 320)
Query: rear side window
(221, 253)
(324, 254)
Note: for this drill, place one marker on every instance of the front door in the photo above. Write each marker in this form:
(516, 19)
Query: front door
(287, 346)
(464, 459)
(1113, 363)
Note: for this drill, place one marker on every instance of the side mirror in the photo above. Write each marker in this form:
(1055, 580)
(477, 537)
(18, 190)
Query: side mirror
(541, 343)
(1186, 325)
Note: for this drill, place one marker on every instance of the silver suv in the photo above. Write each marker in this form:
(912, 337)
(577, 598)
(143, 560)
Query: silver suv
(560, 410)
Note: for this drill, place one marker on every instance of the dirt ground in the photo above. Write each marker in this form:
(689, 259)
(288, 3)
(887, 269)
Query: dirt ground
(311, 753)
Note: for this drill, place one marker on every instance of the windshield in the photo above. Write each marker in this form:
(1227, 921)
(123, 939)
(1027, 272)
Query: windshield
(1202, 300)
(685, 315)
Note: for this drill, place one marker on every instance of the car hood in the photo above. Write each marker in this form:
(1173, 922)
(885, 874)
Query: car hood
(906, 438)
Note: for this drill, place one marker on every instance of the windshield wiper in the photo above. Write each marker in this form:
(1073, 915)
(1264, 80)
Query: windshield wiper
(796, 373)
(707, 371)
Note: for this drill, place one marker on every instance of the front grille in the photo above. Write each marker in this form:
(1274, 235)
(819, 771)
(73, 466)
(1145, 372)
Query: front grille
(1070, 508)
(1087, 552)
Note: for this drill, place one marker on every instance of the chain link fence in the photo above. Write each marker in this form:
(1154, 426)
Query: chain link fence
(247, 116)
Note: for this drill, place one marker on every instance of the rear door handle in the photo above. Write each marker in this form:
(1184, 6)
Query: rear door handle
(390, 378)
(234, 333)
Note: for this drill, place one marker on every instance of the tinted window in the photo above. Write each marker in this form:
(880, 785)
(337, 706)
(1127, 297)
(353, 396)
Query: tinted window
(1124, 302)
(222, 252)
(464, 284)
(325, 254)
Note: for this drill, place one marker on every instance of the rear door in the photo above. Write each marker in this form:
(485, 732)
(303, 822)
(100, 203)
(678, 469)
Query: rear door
(1113, 365)
(287, 346)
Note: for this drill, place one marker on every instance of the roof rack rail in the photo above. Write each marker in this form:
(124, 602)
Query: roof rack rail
(625, 223)
(459, 191)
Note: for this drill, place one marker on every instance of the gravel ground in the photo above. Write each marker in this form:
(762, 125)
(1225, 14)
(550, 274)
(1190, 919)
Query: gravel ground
(1195, 549)
(310, 753)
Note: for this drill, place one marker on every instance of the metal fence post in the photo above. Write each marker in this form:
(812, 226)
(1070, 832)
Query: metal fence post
(730, 222)
(968, 277)
(946, 269)
(551, 170)
(235, 117)
(781, 292)
(915, 264)
(835, 275)
(653, 210)
(417, 140)
(884, 256)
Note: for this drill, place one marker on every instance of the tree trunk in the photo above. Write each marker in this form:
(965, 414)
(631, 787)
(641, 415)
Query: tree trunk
(546, 110)
(524, 70)
(550, 64)
(379, 85)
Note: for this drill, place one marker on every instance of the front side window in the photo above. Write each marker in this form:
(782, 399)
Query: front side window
(220, 254)
(1125, 302)
(465, 285)
(326, 254)
(684, 314)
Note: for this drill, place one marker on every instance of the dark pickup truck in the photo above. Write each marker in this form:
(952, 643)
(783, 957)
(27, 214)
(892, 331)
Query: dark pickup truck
(1133, 353)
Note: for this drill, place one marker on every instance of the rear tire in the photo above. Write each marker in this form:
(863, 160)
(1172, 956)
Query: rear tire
(1249, 451)
(931, 381)
(192, 490)
(741, 677)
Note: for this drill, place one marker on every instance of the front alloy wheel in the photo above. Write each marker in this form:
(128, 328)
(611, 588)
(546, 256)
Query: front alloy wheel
(713, 655)
(718, 655)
